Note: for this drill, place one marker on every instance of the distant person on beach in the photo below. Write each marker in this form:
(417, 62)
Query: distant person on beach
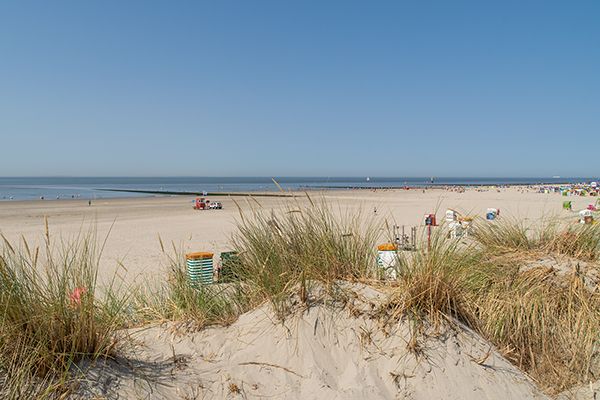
(89, 202)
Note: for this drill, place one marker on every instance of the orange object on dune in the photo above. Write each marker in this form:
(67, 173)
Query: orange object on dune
(198, 255)
(387, 247)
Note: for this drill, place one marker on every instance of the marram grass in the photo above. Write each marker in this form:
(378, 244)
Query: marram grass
(548, 325)
(281, 251)
(50, 313)
(177, 299)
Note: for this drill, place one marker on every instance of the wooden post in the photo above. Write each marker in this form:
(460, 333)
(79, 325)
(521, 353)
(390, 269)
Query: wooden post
(428, 237)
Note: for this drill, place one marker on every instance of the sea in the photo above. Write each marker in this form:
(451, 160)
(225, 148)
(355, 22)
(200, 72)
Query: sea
(53, 188)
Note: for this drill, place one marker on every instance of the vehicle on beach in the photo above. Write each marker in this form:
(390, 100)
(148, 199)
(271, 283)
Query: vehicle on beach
(215, 206)
(201, 203)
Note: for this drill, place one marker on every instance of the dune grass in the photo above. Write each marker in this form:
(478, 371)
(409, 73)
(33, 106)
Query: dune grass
(504, 235)
(546, 324)
(549, 236)
(434, 281)
(177, 299)
(51, 315)
(282, 253)
(577, 241)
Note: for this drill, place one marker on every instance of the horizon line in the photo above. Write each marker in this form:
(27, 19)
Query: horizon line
(300, 176)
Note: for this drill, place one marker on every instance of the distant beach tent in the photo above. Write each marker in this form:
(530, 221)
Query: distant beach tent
(451, 215)
(492, 213)
(456, 230)
(586, 216)
(430, 220)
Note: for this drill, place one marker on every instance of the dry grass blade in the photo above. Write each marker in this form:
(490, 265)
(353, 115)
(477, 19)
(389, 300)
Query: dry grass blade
(545, 323)
(51, 315)
(279, 251)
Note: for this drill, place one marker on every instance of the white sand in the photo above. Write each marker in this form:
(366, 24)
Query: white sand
(322, 353)
(319, 353)
(135, 224)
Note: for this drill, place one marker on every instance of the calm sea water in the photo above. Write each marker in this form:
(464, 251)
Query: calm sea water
(89, 187)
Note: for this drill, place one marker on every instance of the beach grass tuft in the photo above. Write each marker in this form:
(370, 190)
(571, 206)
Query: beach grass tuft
(548, 236)
(546, 323)
(179, 299)
(282, 252)
(51, 314)
(434, 281)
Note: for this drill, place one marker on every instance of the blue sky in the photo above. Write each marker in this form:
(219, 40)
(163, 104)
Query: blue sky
(305, 88)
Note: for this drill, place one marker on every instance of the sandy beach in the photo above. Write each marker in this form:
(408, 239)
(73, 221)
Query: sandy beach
(345, 343)
(133, 226)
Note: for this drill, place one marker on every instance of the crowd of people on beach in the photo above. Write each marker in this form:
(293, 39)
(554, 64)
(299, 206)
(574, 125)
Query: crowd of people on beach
(579, 189)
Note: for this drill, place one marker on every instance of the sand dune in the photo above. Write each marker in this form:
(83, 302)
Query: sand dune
(319, 352)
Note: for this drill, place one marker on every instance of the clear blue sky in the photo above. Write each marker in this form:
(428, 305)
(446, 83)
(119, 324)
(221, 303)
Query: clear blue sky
(304, 88)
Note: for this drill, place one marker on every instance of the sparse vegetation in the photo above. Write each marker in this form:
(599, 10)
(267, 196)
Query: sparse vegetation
(435, 281)
(551, 236)
(283, 253)
(50, 313)
(577, 241)
(546, 324)
(177, 300)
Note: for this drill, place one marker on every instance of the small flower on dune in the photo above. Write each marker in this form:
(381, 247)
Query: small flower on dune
(75, 296)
